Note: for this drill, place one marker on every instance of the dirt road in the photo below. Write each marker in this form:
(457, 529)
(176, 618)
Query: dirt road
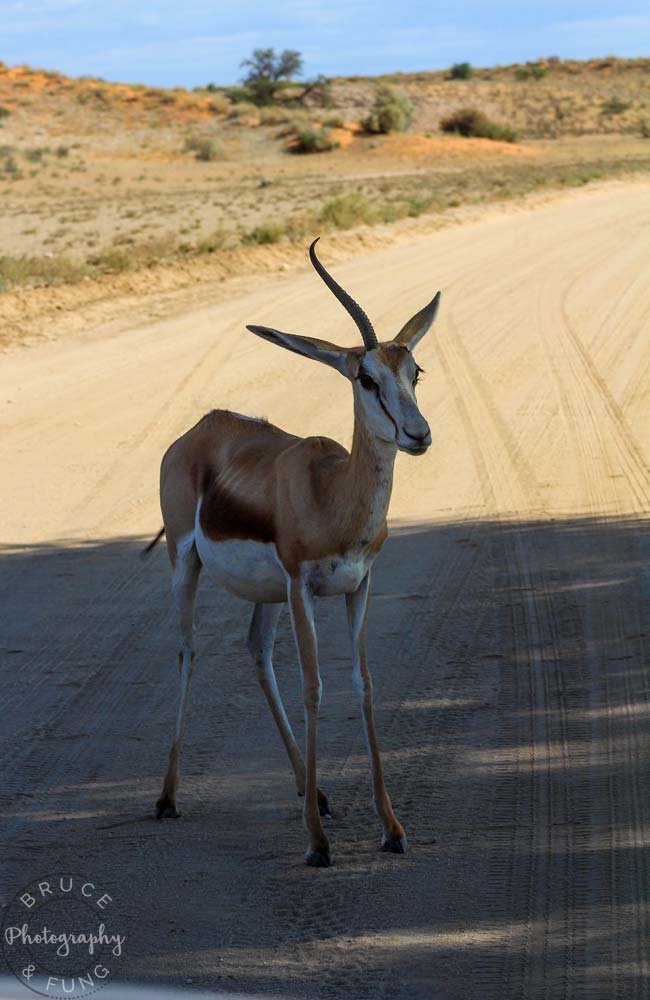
(509, 634)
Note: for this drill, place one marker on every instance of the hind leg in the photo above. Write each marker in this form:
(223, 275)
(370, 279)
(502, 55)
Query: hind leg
(184, 583)
(260, 645)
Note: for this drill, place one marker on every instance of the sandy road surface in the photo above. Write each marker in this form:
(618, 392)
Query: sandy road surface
(509, 634)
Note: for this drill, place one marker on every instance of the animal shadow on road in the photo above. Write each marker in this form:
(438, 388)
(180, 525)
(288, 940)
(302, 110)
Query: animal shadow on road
(510, 661)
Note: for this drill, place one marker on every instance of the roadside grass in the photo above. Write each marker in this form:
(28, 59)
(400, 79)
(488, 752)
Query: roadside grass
(373, 201)
(347, 210)
(265, 233)
(219, 239)
(21, 271)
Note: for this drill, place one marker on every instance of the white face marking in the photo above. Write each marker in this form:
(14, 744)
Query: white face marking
(391, 410)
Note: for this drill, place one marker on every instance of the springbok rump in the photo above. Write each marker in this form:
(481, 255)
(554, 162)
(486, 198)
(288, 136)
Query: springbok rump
(277, 518)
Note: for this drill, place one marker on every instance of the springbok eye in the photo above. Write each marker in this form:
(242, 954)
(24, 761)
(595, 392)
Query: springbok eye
(416, 377)
(367, 382)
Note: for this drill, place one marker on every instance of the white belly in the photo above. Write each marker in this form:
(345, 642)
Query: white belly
(252, 570)
(249, 569)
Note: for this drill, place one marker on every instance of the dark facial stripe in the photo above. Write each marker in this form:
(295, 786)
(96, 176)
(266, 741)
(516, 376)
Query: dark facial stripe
(390, 417)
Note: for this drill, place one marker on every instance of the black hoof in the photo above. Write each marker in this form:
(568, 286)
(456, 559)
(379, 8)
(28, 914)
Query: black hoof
(323, 804)
(318, 859)
(393, 845)
(166, 809)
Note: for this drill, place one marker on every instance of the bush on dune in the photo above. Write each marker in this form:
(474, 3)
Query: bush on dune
(471, 122)
(313, 140)
(391, 112)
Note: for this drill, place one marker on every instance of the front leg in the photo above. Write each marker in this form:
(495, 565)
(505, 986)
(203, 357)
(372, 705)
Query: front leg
(393, 837)
(301, 606)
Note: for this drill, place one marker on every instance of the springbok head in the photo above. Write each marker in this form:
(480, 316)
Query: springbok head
(383, 376)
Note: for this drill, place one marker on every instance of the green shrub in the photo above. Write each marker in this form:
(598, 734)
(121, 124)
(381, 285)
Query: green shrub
(4, 113)
(461, 71)
(499, 133)
(206, 150)
(614, 106)
(391, 112)
(531, 71)
(265, 233)
(644, 128)
(313, 140)
(472, 122)
(346, 210)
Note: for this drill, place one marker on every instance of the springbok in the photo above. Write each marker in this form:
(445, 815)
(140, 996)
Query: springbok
(277, 518)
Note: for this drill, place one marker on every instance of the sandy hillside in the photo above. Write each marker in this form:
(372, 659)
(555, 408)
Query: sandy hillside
(508, 632)
(100, 178)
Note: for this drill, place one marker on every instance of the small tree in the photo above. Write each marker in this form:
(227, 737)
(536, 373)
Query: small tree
(391, 112)
(267, 71)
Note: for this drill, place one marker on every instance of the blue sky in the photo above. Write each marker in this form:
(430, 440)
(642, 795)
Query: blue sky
(167, 42)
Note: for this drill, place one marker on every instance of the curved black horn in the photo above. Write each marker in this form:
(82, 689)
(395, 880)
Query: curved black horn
(348, 303)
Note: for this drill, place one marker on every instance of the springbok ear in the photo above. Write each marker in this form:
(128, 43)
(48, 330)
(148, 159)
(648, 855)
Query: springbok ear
(309, 347)
(413, 331)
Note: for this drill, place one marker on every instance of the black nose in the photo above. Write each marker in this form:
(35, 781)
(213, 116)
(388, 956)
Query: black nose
(420, 438)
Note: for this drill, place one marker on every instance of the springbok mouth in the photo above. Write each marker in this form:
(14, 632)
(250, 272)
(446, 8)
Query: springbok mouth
(415, 449)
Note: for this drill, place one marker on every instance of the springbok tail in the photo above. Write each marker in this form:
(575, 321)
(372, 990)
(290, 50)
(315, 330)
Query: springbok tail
(145, 552)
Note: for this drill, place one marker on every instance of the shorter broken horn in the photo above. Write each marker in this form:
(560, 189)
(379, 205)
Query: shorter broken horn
(348, 303)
